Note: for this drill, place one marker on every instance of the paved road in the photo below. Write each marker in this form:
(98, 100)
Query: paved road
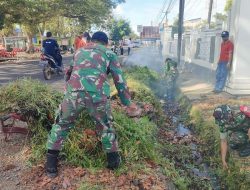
(147, 56)
(12, 71)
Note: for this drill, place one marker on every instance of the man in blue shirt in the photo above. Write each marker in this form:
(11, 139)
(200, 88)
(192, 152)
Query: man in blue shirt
(51, 48)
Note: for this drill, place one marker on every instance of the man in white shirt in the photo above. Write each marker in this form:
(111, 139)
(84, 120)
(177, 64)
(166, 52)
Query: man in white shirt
(129, 45)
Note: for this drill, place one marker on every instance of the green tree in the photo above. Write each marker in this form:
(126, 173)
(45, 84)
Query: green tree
(33, 15)
(1, 21)
(29, 14)
(118, 28)
(220, 16)
(133, 35)
(175, 27)
(88, 11)
(228, 5)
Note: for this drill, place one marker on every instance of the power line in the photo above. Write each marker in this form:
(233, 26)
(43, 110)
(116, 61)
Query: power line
(166, 12)
(191, 7)
(187, 5)
(190, 12)
(169, 8)
(161, 10)
(172, 6)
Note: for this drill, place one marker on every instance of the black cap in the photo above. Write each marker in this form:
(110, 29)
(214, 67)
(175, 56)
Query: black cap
(225, 34)
(100, 37)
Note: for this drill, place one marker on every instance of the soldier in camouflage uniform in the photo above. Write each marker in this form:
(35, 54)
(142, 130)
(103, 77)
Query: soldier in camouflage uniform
(235, 129)
(170, 75)
(88, 89)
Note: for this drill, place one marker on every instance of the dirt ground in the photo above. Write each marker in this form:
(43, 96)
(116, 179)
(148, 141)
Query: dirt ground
(12, 161)
(17, 174)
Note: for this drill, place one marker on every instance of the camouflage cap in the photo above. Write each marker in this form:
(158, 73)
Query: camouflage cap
(172, 63)
(223, 113)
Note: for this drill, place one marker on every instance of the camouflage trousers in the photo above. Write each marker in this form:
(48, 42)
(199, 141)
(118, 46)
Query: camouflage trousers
(70, 108)
(238, 139)
(170, 88)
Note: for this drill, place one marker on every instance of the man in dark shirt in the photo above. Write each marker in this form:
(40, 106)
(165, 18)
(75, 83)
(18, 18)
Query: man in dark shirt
(51, 48)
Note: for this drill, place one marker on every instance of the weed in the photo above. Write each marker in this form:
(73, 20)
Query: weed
(138, 139)
(90, 186)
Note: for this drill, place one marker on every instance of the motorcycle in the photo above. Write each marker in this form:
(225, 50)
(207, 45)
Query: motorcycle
(49, 66)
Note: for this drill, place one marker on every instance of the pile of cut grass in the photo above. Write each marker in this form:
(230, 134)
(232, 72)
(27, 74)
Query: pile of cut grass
(138, 143)
(32, 99)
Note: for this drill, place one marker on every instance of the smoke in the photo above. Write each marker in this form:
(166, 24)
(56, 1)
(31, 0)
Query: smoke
(147, 56)
(151, 58)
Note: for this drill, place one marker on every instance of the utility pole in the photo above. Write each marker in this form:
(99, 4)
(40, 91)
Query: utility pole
(180, 27)
(210, 13)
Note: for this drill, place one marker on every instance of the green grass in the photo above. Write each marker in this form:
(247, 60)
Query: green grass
(138, 140)
(90, 186)
(29, 94)
(209, 134)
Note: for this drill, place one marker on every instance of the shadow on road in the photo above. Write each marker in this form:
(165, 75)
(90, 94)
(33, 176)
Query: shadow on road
(11, 72)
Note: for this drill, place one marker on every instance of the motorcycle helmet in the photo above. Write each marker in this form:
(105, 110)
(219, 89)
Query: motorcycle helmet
(225, 34)
(100, 37)
(48, 34)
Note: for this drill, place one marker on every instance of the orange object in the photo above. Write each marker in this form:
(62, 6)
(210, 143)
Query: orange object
(78, 43)
(89, 132)
(226, 49)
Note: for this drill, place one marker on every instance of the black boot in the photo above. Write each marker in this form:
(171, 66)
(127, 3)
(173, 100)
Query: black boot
(51, 164)
(114, 160)
(245, 151)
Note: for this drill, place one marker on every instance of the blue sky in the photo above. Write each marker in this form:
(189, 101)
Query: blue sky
(144, 12)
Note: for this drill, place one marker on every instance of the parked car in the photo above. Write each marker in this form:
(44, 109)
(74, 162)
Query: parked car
(136, 44)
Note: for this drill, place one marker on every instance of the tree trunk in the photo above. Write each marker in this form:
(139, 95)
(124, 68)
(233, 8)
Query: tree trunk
(30, 45)
(41, 35)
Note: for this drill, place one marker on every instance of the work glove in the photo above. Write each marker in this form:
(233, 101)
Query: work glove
(133, 110)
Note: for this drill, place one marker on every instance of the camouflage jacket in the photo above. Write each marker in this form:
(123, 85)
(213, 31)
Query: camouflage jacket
(91, 66)
(239, 123)
(170, 70)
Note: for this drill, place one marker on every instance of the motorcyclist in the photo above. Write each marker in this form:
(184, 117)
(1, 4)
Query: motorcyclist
(51, 47)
